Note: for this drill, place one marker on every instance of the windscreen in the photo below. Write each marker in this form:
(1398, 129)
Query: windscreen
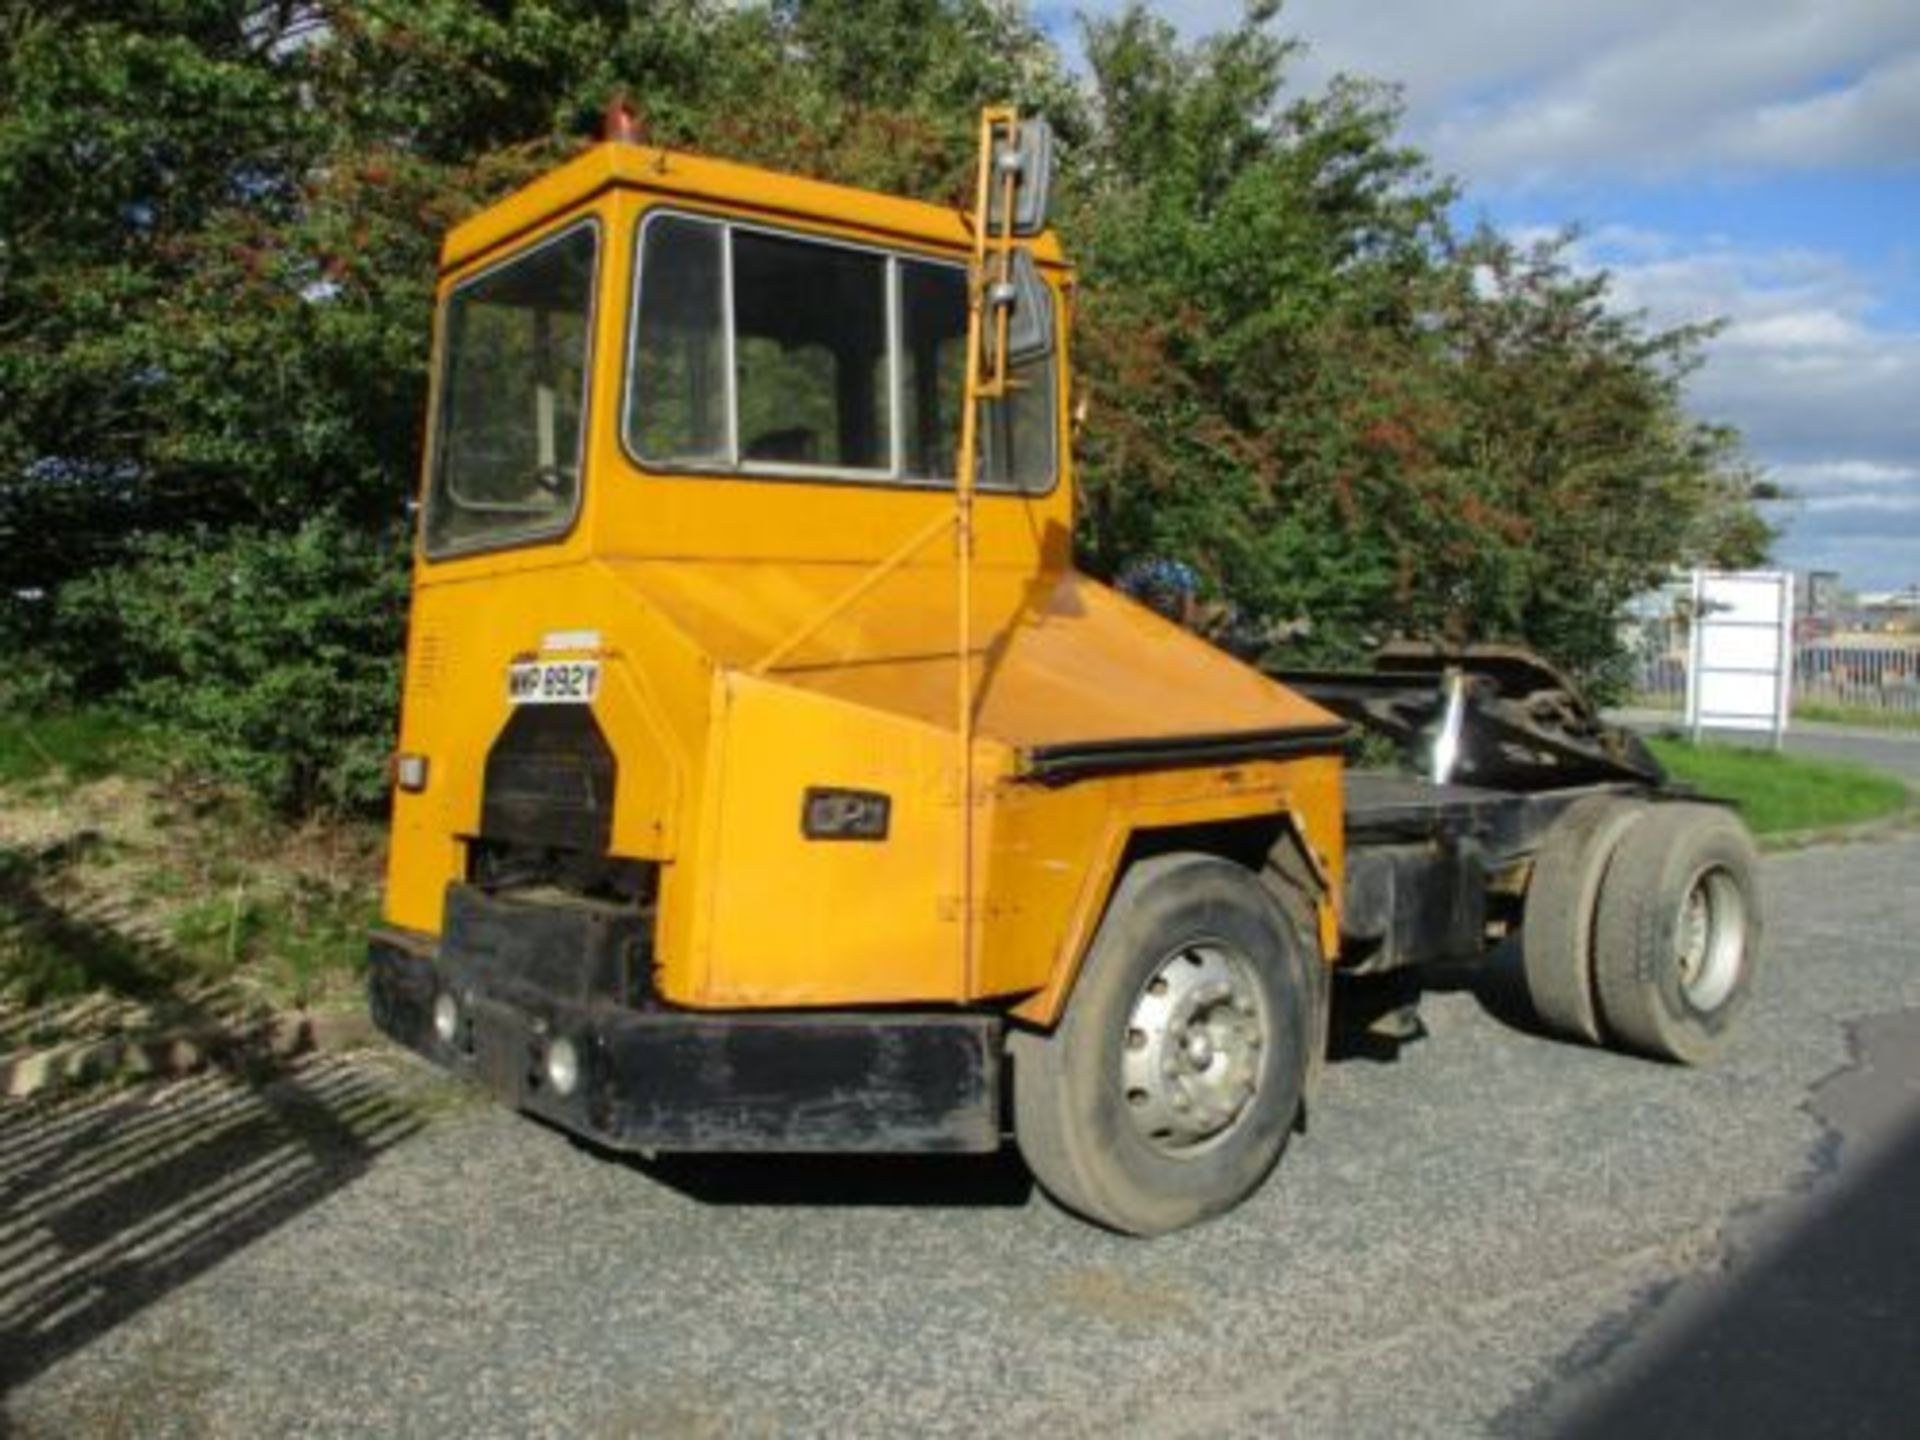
(507, 456)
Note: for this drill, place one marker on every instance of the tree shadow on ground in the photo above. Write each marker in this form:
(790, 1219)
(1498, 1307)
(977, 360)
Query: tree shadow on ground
(1818, 1333)
(108, 1201)
(51, 951)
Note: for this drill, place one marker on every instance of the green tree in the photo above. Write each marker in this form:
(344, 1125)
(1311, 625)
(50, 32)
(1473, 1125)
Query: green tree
(1257, 267)
(218, 227)
(121, 141)
(1576, 477)
(273, 655)
(1342, 413)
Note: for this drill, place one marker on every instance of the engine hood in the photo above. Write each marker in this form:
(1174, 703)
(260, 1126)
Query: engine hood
(1061, 663)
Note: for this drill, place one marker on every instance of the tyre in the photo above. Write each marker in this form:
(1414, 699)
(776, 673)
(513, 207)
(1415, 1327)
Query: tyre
(1556, 930)
(1677, 933)
(1169, 1088)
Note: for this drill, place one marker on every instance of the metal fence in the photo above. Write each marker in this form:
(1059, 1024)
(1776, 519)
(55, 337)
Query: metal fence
(1884, 677)
(1880, 678)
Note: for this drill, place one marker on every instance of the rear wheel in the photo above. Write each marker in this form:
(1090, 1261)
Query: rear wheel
(1677, 935)
(1556, 933)
(1169, 1088)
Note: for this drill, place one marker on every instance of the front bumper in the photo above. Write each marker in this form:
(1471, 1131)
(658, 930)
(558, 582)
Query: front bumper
(675, 1080)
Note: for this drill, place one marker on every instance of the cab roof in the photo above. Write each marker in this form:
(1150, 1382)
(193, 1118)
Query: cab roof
(766, 193)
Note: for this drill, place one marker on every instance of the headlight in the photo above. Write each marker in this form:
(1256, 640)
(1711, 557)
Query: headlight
(563, 1066)
(446, 1017)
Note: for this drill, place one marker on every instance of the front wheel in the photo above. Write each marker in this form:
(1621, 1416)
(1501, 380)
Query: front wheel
(1168, 1090)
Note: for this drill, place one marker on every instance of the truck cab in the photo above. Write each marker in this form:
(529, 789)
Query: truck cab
(768, 776)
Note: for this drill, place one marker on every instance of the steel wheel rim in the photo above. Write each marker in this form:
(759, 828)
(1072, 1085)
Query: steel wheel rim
(1193, 1048)
(1710, 939)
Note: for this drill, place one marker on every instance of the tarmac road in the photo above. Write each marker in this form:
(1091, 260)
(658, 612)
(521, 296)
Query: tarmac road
(1489, 1233)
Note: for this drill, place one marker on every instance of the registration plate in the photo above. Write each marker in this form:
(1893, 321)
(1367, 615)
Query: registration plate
(553, 682)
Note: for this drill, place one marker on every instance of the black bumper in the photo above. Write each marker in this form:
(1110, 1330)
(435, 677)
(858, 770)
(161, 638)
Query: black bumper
(676, 1080)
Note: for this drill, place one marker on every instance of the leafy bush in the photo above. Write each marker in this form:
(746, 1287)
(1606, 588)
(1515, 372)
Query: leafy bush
(269, 658)
(1779, 793)
(1343, 414)
(37, 741)
(217, 234)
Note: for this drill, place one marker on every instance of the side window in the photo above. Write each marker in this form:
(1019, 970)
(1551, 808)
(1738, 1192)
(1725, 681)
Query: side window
(678, 409)
(811, 355)
(1017, 437)
(933, 361)
(513, 385)
(1016, 434)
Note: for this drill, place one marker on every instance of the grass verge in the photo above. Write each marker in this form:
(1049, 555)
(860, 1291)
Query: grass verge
(123, 882)
(75, 747)
(1780, 793)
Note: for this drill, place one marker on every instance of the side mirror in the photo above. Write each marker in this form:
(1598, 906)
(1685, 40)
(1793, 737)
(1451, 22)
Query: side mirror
(1026, 152)
(1029, 306)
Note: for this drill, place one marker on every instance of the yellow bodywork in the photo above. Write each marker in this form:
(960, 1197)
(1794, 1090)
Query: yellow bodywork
(736, 673)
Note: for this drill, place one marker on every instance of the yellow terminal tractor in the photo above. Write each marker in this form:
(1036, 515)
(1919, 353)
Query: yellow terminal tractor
(770, 780)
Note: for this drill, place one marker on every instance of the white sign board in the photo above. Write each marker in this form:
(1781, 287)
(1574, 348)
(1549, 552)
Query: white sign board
(1740, 661)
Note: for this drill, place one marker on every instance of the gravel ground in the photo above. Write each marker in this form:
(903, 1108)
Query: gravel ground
(1488, 1233)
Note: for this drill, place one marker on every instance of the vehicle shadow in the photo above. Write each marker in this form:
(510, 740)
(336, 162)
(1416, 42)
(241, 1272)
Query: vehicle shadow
(999, 1180)
(1372, 1019)
(1362, 1028)
(1498, 983)
(875, 1181)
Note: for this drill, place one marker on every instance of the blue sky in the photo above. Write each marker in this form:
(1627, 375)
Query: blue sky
(1756, 161)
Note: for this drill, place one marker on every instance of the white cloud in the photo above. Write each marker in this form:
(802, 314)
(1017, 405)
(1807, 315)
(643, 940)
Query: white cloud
(1827, 397)
(1628, 241)
(1754, 84)
(1518, 92)
(1852, 473)
(1868, 507)
(1873, 120)
(1802, 367)
(1801, 331)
